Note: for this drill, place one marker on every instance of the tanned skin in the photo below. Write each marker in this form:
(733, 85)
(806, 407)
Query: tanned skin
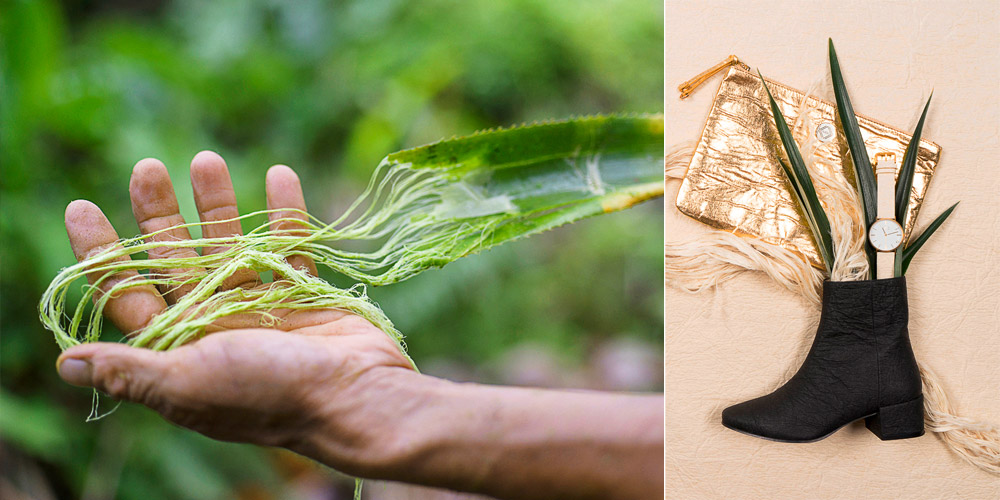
(331, 386)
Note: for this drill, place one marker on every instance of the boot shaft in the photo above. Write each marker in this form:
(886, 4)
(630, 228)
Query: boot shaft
(866, 304)
(868, 320)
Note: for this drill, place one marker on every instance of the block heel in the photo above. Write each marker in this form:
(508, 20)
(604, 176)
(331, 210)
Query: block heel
(898, 421)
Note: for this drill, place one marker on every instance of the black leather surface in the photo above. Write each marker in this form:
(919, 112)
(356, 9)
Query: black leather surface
(860, 360)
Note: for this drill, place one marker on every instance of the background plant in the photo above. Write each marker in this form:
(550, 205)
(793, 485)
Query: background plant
(328, 88)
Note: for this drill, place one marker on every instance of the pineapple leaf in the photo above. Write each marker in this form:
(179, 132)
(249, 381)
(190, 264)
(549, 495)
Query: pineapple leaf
(859, 153)
(802, 186)
(911, 250)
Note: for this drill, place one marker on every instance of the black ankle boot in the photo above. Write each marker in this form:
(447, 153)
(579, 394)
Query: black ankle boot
(860, 366)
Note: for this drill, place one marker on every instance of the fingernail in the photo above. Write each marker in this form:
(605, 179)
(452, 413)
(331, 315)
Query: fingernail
(76, 372)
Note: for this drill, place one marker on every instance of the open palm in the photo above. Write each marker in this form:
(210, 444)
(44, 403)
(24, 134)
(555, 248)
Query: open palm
(243, 382)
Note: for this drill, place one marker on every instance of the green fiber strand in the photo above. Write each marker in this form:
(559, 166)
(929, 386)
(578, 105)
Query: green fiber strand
(423, 208)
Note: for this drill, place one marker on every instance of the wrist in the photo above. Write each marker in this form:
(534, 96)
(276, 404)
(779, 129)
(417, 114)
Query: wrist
(369, 429)
(419, 429)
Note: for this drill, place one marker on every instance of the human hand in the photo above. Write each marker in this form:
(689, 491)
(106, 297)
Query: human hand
(315, 372)
(331, 386)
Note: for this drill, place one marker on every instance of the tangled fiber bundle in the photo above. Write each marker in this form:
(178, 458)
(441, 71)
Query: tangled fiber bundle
(718, 256)
(423, 208)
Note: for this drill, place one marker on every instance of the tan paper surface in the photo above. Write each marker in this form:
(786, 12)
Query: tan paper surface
(745, 339)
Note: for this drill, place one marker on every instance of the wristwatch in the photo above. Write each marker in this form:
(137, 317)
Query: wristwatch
(886, 234)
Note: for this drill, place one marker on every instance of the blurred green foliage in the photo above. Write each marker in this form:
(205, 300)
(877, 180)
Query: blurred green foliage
(87, 89)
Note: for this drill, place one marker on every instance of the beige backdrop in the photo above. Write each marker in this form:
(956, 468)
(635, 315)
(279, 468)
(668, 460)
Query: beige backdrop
(745, 338)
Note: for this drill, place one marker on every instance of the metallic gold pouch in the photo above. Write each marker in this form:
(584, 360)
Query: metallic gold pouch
(735, 183)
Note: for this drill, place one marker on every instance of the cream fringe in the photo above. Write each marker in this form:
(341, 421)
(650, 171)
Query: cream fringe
(975, 441)
(718, 256)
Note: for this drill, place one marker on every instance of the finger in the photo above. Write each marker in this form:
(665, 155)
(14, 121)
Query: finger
(216, 201)
(284, 191)
(155, 207)
(124, 373)
(89, 233)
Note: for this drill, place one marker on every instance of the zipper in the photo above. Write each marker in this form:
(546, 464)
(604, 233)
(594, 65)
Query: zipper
(689, 86)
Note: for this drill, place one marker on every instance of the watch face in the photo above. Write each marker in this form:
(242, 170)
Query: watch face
(885, 235)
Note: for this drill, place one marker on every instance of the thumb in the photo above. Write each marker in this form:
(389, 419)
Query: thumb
(123, 372)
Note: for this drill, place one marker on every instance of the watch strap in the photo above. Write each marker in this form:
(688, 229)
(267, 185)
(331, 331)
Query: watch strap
(885, 178)
(885, 263)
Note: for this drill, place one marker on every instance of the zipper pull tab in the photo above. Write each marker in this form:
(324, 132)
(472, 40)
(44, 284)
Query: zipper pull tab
(689, 86)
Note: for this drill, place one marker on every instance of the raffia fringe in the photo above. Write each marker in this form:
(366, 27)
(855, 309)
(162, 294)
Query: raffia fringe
(977, 442)
(718, 256)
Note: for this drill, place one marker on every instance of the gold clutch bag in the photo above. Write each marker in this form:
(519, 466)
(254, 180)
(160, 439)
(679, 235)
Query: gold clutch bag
(735, 183)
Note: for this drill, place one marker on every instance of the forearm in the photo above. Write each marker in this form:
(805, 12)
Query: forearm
(532, 443)
(515, 442)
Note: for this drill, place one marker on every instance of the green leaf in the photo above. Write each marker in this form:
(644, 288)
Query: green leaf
(423, 208)
(863, 172)
(904, 182)
(911, 250)
(802, 186)
(897, 263)
(544, 175)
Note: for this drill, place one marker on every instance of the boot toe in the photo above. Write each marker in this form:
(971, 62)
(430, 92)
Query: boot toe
(737, 418)
(760, 418)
